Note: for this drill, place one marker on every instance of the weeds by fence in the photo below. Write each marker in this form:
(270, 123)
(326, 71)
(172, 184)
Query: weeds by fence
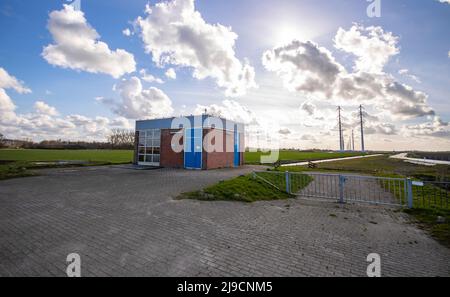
(434, 195)
(286, 182)
(425, 195)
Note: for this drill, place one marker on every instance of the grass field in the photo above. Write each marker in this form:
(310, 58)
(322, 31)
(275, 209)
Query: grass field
(288, 156)
(110, 156)
(380, 166)
(121, 156)
(17, 163)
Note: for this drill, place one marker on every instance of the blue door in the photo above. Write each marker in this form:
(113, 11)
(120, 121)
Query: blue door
(237, 155)
(193, 147)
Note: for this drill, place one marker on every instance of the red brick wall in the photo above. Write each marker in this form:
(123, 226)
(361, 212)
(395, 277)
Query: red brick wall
(169, 158)
(213, 160)
(219, 159)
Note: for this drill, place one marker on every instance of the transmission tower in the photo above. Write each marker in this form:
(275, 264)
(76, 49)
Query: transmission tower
(362, 128)
(353, 140)
(341, 137)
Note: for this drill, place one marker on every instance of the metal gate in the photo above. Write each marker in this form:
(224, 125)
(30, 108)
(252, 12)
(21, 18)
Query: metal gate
(352, 188)
(342, 187)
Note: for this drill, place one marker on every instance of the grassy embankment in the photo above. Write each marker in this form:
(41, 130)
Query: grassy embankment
(18, 163)
(248, 189)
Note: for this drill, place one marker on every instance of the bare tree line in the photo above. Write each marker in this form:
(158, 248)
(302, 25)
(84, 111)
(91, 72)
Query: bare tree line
(121, 138)
(117, 139)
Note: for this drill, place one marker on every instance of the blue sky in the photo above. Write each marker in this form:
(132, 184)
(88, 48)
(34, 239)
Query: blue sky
(423, 43)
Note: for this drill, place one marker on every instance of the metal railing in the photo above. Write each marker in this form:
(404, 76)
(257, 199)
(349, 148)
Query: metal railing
(360, 188)
(357, 188)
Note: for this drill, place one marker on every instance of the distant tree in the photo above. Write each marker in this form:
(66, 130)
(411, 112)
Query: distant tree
(121, 138)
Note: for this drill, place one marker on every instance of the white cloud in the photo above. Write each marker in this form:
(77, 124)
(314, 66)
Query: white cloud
(304, 67)
(260, 131)
(229, 109)
(312, 71)
(380, 128)
(170, 73)
(10, 82)
(308, 137)
(7, 106)
(175, 33)
(45, 109)
(406, 73)
(436, 127)
(284, 131)
(139, 103)
(127, 32)
(45, 122)
(445, 1)
(372, 46)
(308, 107)
(149, 78)
(77, 46)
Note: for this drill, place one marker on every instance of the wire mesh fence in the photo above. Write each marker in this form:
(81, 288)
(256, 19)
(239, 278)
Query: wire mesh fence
(431, 194)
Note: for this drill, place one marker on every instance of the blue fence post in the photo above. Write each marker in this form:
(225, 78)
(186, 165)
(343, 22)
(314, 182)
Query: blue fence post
(341, 188)
(410, 193)
(405, 194)
(288, 186)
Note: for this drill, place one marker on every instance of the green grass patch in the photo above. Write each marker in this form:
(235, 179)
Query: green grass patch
(243, 188)
(13, 170)
(278, 179)
(428, 219)
(290, 156)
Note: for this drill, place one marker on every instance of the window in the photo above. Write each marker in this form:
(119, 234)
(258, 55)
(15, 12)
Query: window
(149, 147)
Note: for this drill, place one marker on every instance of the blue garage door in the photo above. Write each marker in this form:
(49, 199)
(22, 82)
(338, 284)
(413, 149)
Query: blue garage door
(237, 155)
(193, 147)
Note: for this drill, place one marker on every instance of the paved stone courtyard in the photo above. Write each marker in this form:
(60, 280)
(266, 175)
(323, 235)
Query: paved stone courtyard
(125, 222)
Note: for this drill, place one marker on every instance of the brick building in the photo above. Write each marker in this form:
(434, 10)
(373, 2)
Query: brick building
(193, 142)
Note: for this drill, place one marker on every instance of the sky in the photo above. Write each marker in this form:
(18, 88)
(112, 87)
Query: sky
(76, 72)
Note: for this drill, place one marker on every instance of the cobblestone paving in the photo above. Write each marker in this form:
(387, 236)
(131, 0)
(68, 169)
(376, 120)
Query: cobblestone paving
(126, 223)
